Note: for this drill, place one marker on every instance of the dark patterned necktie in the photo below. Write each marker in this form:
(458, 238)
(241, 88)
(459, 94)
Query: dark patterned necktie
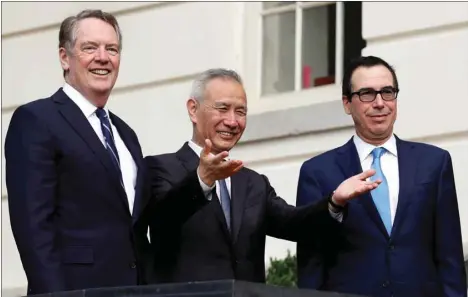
(109, 141)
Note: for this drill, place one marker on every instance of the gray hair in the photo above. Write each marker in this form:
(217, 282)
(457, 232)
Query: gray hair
(199, 85)
(69, 28)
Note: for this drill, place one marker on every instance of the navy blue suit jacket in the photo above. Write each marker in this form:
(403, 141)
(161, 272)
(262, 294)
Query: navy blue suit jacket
(423, 257)
(69, 214)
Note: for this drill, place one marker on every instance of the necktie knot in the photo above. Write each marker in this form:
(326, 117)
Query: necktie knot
(378, 152)
(101, 113)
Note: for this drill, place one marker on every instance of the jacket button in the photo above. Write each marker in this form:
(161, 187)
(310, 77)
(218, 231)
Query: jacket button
(133, 265)
(385, 284)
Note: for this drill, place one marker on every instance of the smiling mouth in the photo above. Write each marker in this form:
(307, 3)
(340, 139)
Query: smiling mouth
(226, 134)
(100, 72)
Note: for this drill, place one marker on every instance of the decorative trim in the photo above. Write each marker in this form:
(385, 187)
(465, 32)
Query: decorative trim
(296, 121)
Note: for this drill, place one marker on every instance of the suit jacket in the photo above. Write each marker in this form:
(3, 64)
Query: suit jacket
(189, 234)
(423, 255)
(69, 214)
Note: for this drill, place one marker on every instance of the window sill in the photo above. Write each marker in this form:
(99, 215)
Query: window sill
(295, 113)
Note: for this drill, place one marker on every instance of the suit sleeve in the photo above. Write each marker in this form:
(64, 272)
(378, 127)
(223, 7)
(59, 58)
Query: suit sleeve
(310, 263)
(171, 203)
(309, 222)
(31, 180)
(449, 250)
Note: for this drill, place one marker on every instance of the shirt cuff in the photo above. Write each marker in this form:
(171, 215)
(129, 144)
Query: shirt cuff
(206, 189)
(335, 215)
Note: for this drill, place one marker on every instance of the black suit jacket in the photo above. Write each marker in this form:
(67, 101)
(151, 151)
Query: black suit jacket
(69, 214)
(189, 234)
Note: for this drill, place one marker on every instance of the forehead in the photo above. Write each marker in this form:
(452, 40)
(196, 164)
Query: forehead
(225, 90)
(375, 77)
(92, 29)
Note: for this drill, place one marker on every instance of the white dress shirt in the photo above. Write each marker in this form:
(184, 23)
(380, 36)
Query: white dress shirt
(127, 164)
(389, 163)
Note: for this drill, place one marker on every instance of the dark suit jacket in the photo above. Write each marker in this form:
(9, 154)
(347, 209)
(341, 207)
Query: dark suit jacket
(423, 256)
(189, 234)
(69, 214)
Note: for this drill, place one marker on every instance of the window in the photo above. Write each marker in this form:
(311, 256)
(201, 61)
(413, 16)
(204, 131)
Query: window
(305, 44)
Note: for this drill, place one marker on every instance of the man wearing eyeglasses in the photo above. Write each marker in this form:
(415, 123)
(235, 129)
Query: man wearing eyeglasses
(402, 239)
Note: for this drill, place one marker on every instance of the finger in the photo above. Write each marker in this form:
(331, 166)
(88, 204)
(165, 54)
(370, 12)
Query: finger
(230, 166)
(366, 174)
(239, 167)
(207, 148)
(220, 157)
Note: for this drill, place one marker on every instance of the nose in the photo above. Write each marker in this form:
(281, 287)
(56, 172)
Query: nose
(379, 102)
(230, 120)
(102, 55)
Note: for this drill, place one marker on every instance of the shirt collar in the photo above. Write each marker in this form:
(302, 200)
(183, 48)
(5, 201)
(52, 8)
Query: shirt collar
(364, 149)
(195, 147)
(85, 105)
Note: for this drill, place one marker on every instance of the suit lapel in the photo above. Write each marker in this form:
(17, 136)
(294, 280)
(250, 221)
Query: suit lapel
(348, 160)
(137, 157)
(190, 161)
(74, 116)
(407, 165)
(239, 186)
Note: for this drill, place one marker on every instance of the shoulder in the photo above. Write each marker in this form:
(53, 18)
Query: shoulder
(324, 159)
(162, 163)
(37, 107)
(427, 151)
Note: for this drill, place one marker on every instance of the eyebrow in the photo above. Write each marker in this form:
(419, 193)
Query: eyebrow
(97, 44)
(218, 104)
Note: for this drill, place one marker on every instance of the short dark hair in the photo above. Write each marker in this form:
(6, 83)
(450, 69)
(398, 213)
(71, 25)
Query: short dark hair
(69, 27)
(368, 61)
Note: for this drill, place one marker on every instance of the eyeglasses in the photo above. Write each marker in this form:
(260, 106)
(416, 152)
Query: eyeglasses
(369, 95)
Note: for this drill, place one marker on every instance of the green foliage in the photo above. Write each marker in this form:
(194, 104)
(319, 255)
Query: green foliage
(282, 272)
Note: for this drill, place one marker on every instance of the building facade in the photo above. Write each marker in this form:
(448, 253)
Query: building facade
(291, 57)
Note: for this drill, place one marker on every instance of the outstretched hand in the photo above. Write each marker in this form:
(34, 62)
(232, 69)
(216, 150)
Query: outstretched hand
(355, 186)
(215, 167)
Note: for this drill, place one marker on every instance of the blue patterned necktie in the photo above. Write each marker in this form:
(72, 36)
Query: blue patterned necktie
(109, 140)
(225, 202)
(380, 195)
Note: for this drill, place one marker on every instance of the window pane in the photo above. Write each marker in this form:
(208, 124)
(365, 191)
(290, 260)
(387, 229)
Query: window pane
(318, 46)
(267, 5)
(278, 52)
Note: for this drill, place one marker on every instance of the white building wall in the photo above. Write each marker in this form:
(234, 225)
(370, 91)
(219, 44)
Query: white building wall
(165, 45)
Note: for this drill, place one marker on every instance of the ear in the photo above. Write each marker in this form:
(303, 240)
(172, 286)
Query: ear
(192, 108)
(346, 104)
(64, 59)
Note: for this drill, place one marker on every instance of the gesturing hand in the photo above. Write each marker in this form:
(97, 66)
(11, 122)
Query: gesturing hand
(355, 186)
(215, 167)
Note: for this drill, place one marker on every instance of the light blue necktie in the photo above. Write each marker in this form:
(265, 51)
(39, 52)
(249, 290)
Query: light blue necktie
(225, 202)
(380, 194)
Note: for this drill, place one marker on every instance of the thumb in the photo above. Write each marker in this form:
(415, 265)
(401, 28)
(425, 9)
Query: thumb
(207, 148)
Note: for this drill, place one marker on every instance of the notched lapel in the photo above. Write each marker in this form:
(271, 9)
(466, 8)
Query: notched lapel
(348, 160)
(190, 161)
(239, 187)
(134, 150)
(74, 116)
(407, 167)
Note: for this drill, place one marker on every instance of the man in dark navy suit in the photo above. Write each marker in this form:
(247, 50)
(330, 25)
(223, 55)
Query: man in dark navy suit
(402, 239)
(73, 171)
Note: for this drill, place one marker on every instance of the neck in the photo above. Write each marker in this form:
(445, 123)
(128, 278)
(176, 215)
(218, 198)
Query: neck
(98, 100)
(374, 141)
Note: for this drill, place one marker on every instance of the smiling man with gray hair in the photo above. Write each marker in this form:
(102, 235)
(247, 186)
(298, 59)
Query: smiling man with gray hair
(73, 171)
(209, 215)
